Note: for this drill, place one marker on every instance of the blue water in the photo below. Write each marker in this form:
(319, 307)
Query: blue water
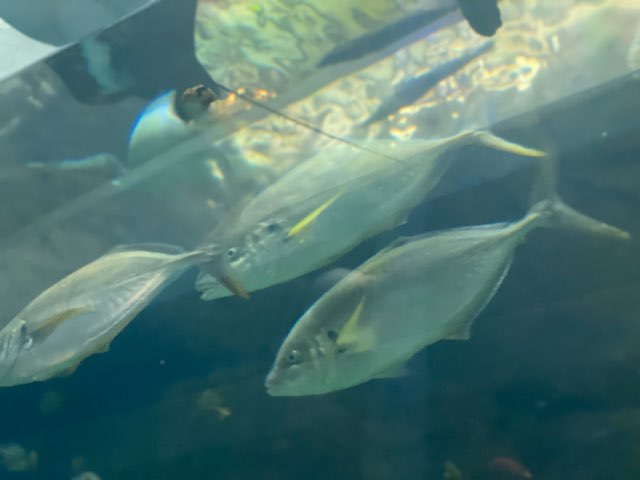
(550, 377)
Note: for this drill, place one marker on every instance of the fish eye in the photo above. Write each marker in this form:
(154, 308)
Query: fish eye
(294, 357)
(272, 227)
(231, 252)
(332, 335)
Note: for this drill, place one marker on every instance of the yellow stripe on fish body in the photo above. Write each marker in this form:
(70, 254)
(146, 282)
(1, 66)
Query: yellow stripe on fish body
(354, 336)
(307, 220)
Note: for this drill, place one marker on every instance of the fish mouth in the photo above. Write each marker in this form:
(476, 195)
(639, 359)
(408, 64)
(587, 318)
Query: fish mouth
(269, 381)
(271, 385)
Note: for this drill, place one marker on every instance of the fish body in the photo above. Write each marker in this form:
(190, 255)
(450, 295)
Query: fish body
(409, 91)
(82, 313)
(328, 205)
(414, 293)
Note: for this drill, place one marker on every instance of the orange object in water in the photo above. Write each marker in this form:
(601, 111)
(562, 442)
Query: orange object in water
(510, 465)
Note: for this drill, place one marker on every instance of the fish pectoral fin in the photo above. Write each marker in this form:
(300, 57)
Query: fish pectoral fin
(353, 336)
(463, 333)
(394, 371)
(50, 324)
(362, 340)
(308, 219)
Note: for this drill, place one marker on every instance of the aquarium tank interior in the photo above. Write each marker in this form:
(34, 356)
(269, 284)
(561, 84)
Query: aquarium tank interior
(319, 239)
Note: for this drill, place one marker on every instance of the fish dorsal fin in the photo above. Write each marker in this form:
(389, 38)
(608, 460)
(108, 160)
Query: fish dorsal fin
(397, 242)
(309, 218)
(394, 371)
(401, 241)
(354, 336)
(46, 328)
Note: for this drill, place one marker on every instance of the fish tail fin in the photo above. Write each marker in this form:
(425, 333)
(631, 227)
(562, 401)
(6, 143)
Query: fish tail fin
(556, 213)
(488, 139)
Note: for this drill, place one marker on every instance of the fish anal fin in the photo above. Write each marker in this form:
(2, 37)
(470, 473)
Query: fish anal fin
(394, 371)
(103, 348)
(50, 324)
(463, 333)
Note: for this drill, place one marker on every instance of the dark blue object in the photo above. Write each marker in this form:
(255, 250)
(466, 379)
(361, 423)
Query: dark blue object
(412, 89)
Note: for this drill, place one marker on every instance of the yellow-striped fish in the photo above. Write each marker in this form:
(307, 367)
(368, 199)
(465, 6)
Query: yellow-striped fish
(327, 205)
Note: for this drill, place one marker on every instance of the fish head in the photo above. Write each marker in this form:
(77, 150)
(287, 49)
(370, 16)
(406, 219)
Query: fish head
(303, 364)
(250, 257)
(297, 371)
(226, 262)
(313, 360)
(259, 243)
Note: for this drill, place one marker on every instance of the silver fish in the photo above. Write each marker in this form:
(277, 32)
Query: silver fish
(99, 162)
(326, 206)
(412, 89)
(82, 313)
(414, 293)
(377, 40)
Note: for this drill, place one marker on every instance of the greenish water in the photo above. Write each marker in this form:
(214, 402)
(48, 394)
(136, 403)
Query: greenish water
(548, 383)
